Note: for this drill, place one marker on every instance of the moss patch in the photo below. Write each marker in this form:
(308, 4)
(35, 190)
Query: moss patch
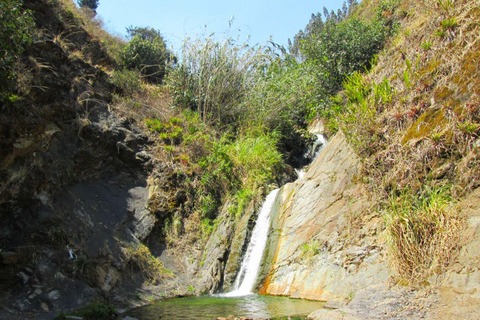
(425, 124)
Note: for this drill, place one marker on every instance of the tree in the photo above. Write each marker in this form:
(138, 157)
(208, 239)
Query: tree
(147, 53)
(92, 4)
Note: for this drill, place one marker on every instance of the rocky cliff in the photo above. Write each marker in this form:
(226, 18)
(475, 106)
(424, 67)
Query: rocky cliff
(315, 251)
(328, 243)
(81, 192)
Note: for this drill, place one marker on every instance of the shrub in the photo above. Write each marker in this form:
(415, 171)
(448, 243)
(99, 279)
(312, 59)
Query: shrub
(16, 26)
(147, 54)
(283, 99)
(343, 48)
(126, 81)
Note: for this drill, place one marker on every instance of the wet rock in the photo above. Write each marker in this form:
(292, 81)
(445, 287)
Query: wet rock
(313, 213)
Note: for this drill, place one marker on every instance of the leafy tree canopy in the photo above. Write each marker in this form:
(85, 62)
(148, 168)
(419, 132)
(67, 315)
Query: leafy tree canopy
(92, 4)
(147, 52)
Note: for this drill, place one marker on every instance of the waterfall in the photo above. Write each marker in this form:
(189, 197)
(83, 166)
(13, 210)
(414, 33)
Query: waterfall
(312, 153)
(245, 281)
(253, 257)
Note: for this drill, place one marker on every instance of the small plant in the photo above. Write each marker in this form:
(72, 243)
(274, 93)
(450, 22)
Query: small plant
(436, 137)
(446, 5)
(170, 132)
(446, 25)
(83, 266)
(207, 228)
(449, 23)
(350, 295)
(191, 289)
(310, 249)
(383, 92)
(469, 128)
(426, 45)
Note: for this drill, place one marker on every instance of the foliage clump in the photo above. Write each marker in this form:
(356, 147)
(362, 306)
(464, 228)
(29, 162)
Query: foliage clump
(91, 4)
(147, 53)
(16, 31)
(96, 310)
(142, 258)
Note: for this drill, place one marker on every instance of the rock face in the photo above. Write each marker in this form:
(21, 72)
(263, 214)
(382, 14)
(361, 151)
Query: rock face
(311, 253)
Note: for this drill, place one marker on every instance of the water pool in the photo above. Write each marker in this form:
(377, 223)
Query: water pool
(211, 307)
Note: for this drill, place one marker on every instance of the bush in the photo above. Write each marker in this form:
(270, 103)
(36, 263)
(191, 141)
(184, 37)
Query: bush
(146, 53)
(283, 99)
(92, 4)
(126, 81)
(343, 48)
(16, 25)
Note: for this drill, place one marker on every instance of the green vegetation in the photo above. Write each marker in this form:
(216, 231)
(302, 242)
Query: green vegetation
(16, 31)
(127, 82)
(147, 53)
(227, 119)
(83, 266)
(142, 259)
(94, 311)
(213, 78)
(309, 250)
(92, 4)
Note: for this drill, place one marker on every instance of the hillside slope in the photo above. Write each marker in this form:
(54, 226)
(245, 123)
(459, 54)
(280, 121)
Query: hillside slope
(77, 177)
(398, 239)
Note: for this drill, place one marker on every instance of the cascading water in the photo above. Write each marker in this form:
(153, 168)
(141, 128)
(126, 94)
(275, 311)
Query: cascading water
(253, 257)
(247, 275)
(313, 153)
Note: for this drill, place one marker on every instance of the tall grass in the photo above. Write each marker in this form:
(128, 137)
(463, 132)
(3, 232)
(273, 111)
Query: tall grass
(214, 77)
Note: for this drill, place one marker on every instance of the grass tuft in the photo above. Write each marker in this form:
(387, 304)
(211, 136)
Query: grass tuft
(423, 233)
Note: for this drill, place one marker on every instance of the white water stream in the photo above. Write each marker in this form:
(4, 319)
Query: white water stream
(253, 257)
(245, 281)
(317, 148)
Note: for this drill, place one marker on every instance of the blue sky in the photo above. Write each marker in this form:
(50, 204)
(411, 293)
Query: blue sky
(259, 19)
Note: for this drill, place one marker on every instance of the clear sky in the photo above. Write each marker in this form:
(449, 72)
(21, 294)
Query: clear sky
(259, 19)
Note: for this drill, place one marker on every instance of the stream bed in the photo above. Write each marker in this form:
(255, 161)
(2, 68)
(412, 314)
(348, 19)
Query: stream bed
(211, 307)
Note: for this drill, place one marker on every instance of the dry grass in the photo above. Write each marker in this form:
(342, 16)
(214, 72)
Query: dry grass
(423, 235)
(426, 137)
(93, 24)
(152, 268)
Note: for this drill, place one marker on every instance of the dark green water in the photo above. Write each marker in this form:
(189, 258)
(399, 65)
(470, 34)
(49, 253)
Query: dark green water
(211, 307)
